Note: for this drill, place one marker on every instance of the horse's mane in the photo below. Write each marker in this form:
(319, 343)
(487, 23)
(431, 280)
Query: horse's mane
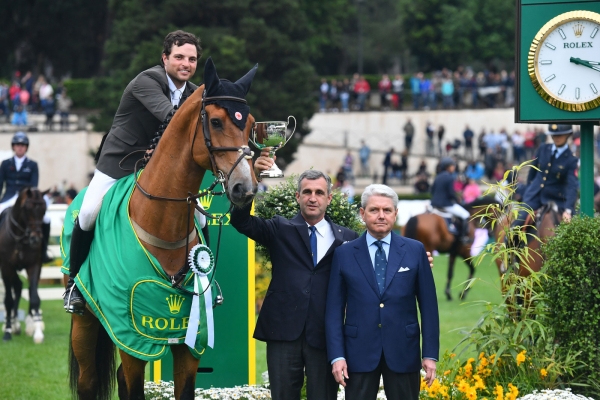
(479, 203)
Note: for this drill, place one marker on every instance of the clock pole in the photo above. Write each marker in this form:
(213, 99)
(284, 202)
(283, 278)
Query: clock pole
(586, 170)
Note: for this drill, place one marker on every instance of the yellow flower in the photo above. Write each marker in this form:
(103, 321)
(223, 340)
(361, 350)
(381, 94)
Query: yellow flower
(423, 384)
(478, 382)
(472, 394)
(499, 392)
(513, 394)
(543, 373)
(462, 386)
(481, 355)
(452, 355)
(444, 391)
(447, 372)
(521, 357)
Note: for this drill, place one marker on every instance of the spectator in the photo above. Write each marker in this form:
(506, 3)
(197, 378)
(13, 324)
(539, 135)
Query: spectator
(64, 106)
(349, 166)
(46, 94)
(49, 110)
(518, 144)
(481, 142)
(468, 135)
(471, 191)
(334, 95)
(474, 170)
(385, 87)
(387, 164)
(409, 132)
(348, 190)
(19, 117)
(398, 89)
(323, 95)
(340, 177)
(4, 107)
(423, 168)
(362, 89)
(14, 90)
(415, 88)
(404, 167)
(447, 91)
(427, 93)
(499, 170)
(529, 144)
(429, 132)
(440, 136)
(364, 153)
(27, 84)
(345, 95)
(422, 184)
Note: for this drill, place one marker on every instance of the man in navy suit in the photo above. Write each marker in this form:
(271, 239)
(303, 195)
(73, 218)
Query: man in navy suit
(372, 325)
(554, 179)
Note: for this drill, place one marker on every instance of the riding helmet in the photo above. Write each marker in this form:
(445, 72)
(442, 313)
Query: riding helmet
(554, 129)
(20, 138)
(445, 162)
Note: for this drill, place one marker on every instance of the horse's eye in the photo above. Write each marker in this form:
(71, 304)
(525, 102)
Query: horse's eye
(216, 123)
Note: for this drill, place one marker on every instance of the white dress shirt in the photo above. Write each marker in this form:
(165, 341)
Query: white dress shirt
(175, 93)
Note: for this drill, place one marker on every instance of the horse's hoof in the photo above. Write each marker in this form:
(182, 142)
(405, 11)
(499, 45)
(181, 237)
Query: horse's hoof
(448, 294)
(38, 337)
(7, 336)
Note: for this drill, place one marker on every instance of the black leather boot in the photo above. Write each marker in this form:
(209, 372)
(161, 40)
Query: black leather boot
(464, 231)
(81, 242)
(45, 238)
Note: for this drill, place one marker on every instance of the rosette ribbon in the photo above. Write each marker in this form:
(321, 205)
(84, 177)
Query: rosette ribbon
(202, 263)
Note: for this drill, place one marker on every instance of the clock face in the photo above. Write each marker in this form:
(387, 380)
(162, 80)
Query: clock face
(564, 62)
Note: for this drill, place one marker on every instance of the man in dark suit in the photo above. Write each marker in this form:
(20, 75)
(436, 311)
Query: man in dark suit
(147, 101)
(292, 318)
(372, 326)
(17, 173)
(444, 197)
(554, 179)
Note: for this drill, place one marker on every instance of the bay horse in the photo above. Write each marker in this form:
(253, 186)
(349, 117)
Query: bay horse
(200, 137)
(432, 230)
(21, 248)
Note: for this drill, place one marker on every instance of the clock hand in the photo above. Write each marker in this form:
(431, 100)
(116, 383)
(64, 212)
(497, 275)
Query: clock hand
(584, 63)
(592, 62)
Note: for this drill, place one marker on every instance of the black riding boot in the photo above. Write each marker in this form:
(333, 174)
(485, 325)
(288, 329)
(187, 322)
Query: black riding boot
(45, 238)
(464, 231)
(80, 247)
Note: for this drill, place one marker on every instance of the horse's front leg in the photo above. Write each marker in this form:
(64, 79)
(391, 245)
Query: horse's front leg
(35, 325)
(133, 370)
(9, 303)
(185, 368)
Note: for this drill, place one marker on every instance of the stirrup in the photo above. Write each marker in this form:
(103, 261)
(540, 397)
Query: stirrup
(73, 305)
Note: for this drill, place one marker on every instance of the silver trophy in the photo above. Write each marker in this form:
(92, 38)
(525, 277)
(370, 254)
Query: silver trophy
(273, 134)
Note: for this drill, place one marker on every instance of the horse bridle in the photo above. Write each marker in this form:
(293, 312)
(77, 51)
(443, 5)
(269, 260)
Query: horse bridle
(220, 177)
(26, 232)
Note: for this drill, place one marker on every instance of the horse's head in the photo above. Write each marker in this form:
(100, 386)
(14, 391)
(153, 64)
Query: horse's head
(29, 210)
(223, 136)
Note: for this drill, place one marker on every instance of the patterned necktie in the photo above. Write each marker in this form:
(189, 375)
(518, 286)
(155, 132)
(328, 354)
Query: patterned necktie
(313, 244)
(380, 265)
(176, 97)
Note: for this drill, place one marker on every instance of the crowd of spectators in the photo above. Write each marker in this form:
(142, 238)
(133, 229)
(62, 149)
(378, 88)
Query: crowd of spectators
(27, 94)
(445, 89)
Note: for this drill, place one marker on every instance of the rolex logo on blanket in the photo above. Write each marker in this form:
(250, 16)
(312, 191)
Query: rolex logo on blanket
(130, 293)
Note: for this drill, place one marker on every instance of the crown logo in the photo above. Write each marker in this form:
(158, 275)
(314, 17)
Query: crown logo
(578, 29)
(175, 301)
(206, 201)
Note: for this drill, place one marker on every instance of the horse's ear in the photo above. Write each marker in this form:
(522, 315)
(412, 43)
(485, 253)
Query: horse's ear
(211, 79)
(28, 192)
(45, 192)
(246, 80)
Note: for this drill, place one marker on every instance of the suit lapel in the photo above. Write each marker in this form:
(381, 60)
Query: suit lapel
(361, 254)
(338, 237)
(396, 256)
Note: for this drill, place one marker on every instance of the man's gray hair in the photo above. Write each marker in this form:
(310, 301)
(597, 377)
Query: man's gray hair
(378, 190)
(312, 175)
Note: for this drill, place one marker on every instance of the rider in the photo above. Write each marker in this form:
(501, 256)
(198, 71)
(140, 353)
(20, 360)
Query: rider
(553, 178)
(444, 197)
(147, 101)
(19, 172)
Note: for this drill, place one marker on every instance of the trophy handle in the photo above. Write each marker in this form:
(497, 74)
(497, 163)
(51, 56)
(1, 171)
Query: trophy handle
(294, 130)
(253, 137)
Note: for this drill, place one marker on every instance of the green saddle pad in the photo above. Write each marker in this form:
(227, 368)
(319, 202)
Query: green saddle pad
(125, 285)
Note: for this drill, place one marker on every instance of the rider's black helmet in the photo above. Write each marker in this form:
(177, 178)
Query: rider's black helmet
(446, 162)
(20, 138)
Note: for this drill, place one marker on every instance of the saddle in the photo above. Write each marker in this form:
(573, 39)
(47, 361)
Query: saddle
(452, 223)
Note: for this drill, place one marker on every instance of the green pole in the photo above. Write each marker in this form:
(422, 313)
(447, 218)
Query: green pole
(586, 170)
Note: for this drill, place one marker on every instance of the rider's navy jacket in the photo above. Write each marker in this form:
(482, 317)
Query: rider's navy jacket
(16, 180)
(555, 181)
(442, 191)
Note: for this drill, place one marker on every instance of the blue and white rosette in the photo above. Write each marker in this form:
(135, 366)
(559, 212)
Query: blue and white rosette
(202, 263)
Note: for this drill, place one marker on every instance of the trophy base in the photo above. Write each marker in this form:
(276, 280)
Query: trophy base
(273, 172)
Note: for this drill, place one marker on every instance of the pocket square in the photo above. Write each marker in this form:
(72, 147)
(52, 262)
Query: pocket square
(403, 269)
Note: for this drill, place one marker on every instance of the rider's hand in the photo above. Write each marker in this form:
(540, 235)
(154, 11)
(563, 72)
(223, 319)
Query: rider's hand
(263, 162)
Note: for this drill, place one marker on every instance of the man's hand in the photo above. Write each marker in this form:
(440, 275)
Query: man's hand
(263, 162)
(429, 367)
(430, 258)
(566, 216)
(340, 371)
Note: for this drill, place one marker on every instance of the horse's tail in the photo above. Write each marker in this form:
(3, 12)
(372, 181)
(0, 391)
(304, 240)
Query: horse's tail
(410, 229)
(106, 365)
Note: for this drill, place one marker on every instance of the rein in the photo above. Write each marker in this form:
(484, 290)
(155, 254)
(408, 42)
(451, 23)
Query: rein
(220, 177)
(26, 232)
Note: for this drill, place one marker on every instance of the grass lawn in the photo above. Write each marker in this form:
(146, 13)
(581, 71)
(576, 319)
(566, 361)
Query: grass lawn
(454, 315)
(29, 371)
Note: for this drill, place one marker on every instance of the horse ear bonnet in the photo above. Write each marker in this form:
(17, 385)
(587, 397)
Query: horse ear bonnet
(238, 112)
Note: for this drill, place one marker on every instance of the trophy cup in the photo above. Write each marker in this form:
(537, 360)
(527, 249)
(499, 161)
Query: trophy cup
(273, 134)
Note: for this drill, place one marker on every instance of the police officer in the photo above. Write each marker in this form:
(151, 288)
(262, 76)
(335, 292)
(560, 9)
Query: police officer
(146, 102)
(554, 179)
(444, 197)
(19, 172)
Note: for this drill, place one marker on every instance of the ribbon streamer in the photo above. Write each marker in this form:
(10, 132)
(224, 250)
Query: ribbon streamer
(202, 263)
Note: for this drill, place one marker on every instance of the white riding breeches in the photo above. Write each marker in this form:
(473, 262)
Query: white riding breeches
(457, 211)
(92, 201)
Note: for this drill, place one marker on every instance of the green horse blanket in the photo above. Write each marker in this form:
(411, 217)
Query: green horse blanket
(126, 287)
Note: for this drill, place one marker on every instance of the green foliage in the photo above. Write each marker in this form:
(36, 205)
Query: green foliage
(281, 200)
(574, 292)
(83, 93)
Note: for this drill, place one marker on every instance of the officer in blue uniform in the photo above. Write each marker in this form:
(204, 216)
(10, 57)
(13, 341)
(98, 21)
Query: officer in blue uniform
(555, 179)
(444, 197)
(17, 173)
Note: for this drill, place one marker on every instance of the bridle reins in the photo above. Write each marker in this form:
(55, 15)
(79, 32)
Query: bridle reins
(192, 198)
(25, 232)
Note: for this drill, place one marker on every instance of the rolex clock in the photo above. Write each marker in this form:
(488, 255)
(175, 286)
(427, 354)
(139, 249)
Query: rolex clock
(564, 61)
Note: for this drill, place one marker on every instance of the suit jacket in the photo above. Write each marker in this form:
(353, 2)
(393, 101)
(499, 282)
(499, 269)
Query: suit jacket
(555, 181)
(295, 298)
(442, 191)
(145, 104)
(373, 324)
(15, 180)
